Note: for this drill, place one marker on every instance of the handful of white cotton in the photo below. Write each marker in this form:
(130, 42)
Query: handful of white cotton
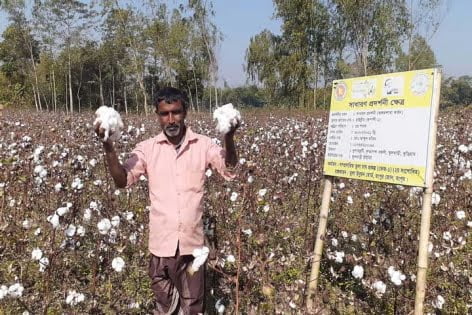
(110, 121)
(201, 255)
(226, 117)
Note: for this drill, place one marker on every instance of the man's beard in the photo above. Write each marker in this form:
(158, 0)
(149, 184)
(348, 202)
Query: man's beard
(172, 130)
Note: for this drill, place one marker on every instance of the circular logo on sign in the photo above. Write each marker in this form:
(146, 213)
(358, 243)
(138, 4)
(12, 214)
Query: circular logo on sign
(340, 91)
(419, 84)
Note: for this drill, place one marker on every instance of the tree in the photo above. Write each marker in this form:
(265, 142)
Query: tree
(421, 56)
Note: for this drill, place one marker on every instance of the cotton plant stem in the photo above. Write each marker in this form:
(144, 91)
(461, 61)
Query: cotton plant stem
(319, 241)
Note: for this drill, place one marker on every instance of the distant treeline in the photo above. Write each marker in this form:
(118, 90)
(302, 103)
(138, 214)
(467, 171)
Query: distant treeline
(74, 55)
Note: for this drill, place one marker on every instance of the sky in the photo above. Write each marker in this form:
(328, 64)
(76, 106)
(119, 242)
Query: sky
(242, 19)
(239, 20)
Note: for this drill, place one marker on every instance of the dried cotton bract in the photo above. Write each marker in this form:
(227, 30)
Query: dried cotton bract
(226, 116)
(110, 120)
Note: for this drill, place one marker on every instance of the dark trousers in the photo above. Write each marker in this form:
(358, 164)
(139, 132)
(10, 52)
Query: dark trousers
(175, 287)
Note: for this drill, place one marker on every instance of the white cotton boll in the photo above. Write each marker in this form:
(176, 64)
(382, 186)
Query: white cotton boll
(43, 263)
(234, 196)
(208, 173)
(200, 256)
(226, 116)
(37, 231)
(439, 302)
(70, 231)
(115, 221)
(94, 205)
(58, 187)
(292, 305)
(463, 148)
(3, 291)
(93, 162)
(248, 232)
(435, 198)
(447, 236)
(77, 183)
(40, 171)
(266, 208)
(97, 182)
(341, 185)
(349, 200)
(87, 214)
(396, 276)
(110, 120)
(128, 215)
(54, 220)
(230, 259)
(358, 272)
(250, 179)
(339, 257)
(118, 264)
(460, 214)
(26, 224)
(344, 234)
(15, 290)
(74, 298)
(262, 192)
(219, 306)
(334, 242)
(61, 211)
(430, 247)
(242, 161)
(80, 230)
(379, 287)
(104, 226)
(36, 254)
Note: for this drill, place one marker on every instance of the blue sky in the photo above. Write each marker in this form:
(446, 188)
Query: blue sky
(239, 20)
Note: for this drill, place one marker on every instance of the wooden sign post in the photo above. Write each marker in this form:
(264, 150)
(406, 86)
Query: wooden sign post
(382, 128)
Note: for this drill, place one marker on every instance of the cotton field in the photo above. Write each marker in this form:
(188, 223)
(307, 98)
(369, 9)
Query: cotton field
(73, 243)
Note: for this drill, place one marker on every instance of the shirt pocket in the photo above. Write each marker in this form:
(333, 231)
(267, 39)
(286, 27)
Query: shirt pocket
(194, 181)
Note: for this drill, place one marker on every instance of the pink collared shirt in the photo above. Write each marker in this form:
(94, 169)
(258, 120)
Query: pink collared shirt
(175, 188)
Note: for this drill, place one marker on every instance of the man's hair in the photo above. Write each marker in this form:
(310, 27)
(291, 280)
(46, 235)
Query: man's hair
(171, 95)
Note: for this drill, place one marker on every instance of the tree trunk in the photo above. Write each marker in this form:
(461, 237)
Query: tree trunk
(71, 96)
(66, 102)
(113, 89)
(35, 88)
(196, 90)
(315, 67)
(125, 99)
(54, 90)
(102, 100)
(191, 98)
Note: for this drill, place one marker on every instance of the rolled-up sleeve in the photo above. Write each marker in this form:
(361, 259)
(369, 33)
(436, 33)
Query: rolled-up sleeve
(216, 158)
(135, 165)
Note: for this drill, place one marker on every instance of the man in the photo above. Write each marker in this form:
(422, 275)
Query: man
(174, 162)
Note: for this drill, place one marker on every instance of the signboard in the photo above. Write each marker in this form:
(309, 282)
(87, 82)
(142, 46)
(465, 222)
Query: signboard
(380, 127)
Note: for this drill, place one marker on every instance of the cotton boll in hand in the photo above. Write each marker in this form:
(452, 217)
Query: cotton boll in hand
(110, 122)
(226, 117)
(200, 256)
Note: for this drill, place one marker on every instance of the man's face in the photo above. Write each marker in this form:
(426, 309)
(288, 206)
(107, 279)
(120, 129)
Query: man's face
(172, 118)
